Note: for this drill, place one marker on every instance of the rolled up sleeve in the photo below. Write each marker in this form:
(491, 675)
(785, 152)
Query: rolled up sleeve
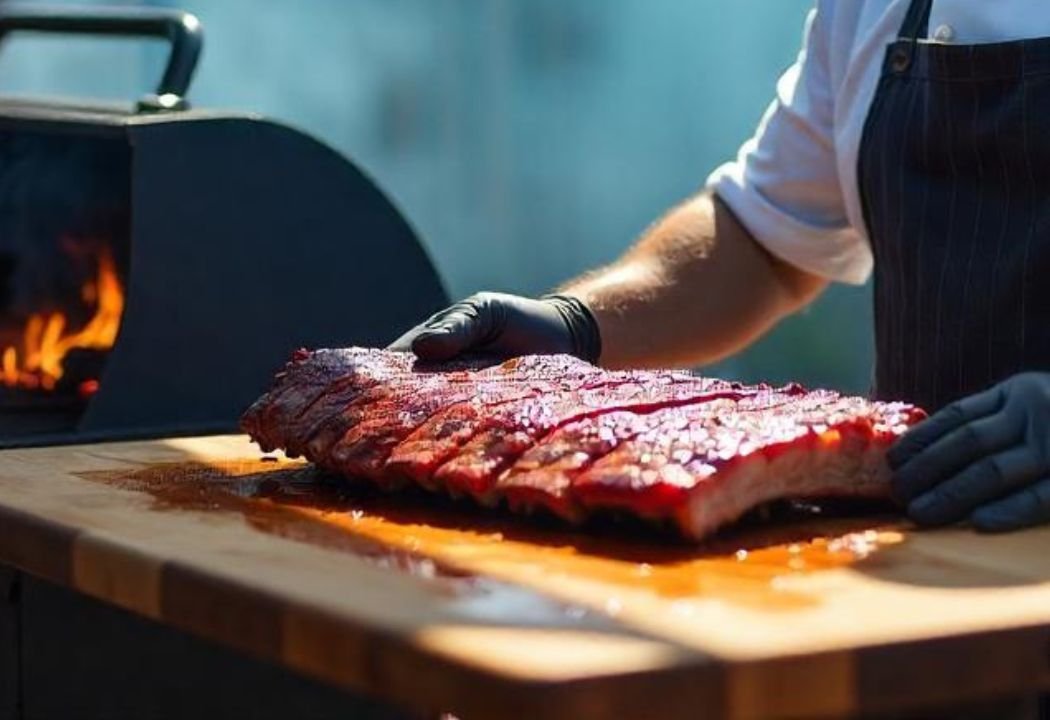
(784, 185)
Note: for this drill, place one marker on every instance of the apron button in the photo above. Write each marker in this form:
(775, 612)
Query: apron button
(900, 60)
(944, 34)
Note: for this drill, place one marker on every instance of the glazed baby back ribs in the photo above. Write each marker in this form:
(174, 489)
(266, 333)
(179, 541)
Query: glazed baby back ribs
(556, 433)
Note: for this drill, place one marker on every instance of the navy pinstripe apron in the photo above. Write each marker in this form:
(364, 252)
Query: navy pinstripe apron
(954, 179)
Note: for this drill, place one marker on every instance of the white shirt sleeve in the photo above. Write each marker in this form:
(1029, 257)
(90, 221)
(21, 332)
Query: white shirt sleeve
(784, 185)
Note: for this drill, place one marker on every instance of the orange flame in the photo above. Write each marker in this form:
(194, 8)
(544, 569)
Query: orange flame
(45, 342)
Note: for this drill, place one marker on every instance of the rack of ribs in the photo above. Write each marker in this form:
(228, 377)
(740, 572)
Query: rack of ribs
(555, 433)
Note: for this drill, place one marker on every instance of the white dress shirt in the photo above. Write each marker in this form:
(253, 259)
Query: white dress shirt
(794, 184)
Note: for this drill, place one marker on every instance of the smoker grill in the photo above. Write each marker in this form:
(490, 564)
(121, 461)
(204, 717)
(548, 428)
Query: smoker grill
(235, 239)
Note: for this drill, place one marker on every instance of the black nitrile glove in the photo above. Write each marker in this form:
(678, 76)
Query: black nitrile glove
(985, 457)
(507, 326)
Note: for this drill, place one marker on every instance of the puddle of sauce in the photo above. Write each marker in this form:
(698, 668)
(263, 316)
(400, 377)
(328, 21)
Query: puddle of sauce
(275, 497)
(453, 544)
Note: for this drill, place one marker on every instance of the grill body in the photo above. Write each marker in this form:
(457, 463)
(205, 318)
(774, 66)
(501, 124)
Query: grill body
(238, 239)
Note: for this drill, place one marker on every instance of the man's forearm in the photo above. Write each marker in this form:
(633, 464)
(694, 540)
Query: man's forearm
(695, 288)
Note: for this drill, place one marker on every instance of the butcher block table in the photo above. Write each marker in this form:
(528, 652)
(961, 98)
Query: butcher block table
(430, 606)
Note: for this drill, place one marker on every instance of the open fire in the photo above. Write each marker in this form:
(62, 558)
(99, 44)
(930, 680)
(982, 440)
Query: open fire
(39, 362)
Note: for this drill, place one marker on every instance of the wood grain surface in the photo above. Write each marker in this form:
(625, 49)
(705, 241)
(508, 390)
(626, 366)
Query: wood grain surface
(444, 608)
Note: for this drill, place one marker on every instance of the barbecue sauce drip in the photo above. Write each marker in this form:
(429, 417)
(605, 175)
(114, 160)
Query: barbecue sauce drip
(428, 535)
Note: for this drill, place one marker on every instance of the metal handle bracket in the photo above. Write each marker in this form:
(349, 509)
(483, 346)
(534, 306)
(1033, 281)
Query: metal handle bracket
(182, 30)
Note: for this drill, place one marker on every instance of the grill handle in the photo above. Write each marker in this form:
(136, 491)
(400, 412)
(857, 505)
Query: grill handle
(181, 29)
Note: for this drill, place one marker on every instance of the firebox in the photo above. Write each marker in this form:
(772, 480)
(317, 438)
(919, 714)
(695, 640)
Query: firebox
(159, 262)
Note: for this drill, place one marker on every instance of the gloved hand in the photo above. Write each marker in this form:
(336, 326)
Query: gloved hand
(985, 457)
(506, 325)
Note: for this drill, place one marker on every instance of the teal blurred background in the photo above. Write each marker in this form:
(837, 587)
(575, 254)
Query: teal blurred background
(526, 140)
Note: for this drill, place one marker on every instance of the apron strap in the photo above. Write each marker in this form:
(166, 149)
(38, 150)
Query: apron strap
(917, 22)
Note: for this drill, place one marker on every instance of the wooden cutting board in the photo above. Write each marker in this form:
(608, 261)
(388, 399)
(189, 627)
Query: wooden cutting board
(442, 607)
